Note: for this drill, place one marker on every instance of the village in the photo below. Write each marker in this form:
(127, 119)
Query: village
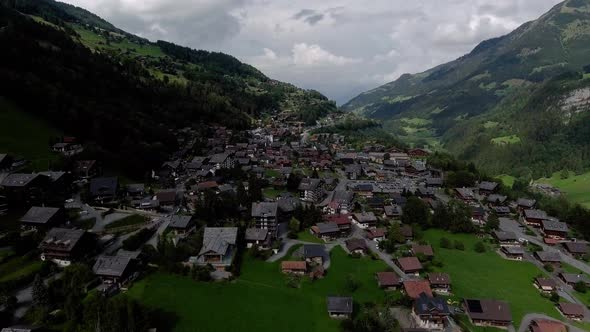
(285, 194)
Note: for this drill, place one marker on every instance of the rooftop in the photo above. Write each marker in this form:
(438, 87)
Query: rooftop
(339, 304)
(488, 310)
(39, 215)
(113, 266)
(218, 239)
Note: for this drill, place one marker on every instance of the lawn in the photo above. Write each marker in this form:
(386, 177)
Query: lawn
(18, 267)
(584, 297)
(306, 236)
(575, 186)
(507, 180)
(259, 299)
(26, 135)
(131, 220)
(272, 192)
(505, 140)
(487, 275)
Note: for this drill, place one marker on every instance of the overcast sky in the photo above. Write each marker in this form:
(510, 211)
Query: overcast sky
(339, 47)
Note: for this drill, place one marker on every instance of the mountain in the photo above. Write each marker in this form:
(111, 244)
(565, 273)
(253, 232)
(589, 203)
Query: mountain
(478, 91)
(123, 95)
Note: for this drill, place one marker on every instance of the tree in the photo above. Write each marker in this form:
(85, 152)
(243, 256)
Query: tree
(493, 223)
(580, 287)
(460, 217)
(395, 234)
(554, 297)
(40, 293)
(445, 243)
(548, 267)
(294, 225)
(416, 212)
(254, 189)
(441, 217)
(459, 245)
(480, 247)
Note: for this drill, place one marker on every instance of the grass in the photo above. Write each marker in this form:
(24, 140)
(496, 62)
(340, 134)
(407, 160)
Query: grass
(306, 236)
(18, 267)
(95, 41)
(271, 173)
(507, 180)
(487, 275)
(576, 187)
(26, 135)
(131, 220)
(506, 140)
(272, 192)
(490, 124)
(260, 298)
(584, 297)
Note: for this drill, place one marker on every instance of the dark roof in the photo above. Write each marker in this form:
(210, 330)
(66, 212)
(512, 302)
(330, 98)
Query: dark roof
(256, 234)
(342, 196)
(339, 304)
(39, 215)
(439, 278)
(327, 227)
(393, 210)
(576, 247)
(18, 179)
(535, 214)
(309, 184)
(554, 226)
(422, 249)
(179, 221)
(505, 236)
(62, 238)
(526, 202)
(166, 196)
(425, 305)
(495, 198)
(356, 244)
(546, 282)
(264, 209)
(572, 278)
(135, 188)
(365, 217)
(113, 266)
(488, 310)
(103, 186)
(548, 256)
(465, 193)
(314, 250)
(571, 309)
(407, 230)
(218, 239)
(409, 263)
(489, 186)
(513, 250)
(388, 279)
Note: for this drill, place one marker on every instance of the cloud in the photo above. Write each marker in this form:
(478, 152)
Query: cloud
(339, 47)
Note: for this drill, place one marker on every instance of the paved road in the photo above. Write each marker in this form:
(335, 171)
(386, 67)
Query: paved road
(526, 321)
(24, 297)
(163, 223)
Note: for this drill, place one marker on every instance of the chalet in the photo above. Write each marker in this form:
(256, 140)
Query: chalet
(63, 246)
(266, 216)
(431, 312)
(24, 189)
(376, 234)
(104, 189)
(258, 237)
(388, 280)
(221, 160)
(363, 189)
(548, 257)
(415, 167)
(146, 204)
(392, 211)
(314, 253)
(432, 182)
(356, 246)
(417, 152)
(440, 282)
(341, 202)
(425, 250)
(42, 217)
(495, 199)
(339, 307)
(534, 217)
(414, 287)
(135, 190)
(478, 215)
(67, 149)
(410, 265)
(546, 285)
(572, 311)
(294, 267)
(376, 203)
(115, 270)
(487, 188)
(554, 229)
(364, 220)
(181, 225)
(353, 171)
(311, 190)
(325, 230)
(86, 169)
(465, 194)
(573, 278)
(513, 252)
(341, 220)
(219, 247)
(166, 198)
(576, 249)
(547, 325)
(525, 204)
(488, 313)
(506, 238)
(171, 168)
(501, 210)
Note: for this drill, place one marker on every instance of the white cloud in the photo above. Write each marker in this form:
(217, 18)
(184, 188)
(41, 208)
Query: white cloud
(312, 55)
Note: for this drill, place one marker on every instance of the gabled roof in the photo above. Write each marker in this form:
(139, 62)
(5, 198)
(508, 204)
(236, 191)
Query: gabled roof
(113, 266)
(39, 215)
(571, 309)
(505, 236)
(309, 184)
(439, 278)
(342, 196)
(526, 202)
(326, 227)
(576, 247)
(103, 186)
(256, 234)
(409, 263)
(554, 226)
(314, 250)
(465, 193)
(422, 249)
(548, 256)
(414, 288)
(338, 304)
(487, 185)
(293, 265)
(179, 221)
(356, 244)
(264, 209)
(62, 238)
(495, 198)
(425, 305)
(488, 310)
(546, 282)
(546, 325)
(218, 239)
(388, 279)
(365, 217)
(535, 214)
(572, 278)
(18, 179)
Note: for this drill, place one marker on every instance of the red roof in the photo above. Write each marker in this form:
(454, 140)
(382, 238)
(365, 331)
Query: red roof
(340, 219)
(422, 249)
(550, 241)
(387, 279)
(546, 325)
(375, 233)
(571, 309)
(293, 265)
(409, 264)
(207, 185)
(414, 288)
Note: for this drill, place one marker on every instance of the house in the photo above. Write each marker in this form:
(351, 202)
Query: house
(352, 171)
(339, 307)
(425, 250)
(488, 313)
(63, 246)
(258, 237)
(571, 310)
(388, 280)
(554, 229)
(363, 189)
(417, 152)
(440, 282)
(311, 190)
(513, 252)
(478, 215)
(506, 238)
(67, 149)
(115, 270)
(135, 190)
(410, 265)
(407, 232)
(326, 231)
(24, 189)
(525, 204)
(431, 312)
(181, 225)
(546, 285)
(415, 167)
(573, 278)
(221, 160)
(22, 328)
(341, 202)
(487, 187)
(534, 217)
(495, 199)
(364, 220)
(547, 325)
(356, 246)
(501, 210)
(414, 287)
(104, 189)
(42, 217)
(266, 215)
(465, 194)
(376, 234)
(294, 267)
(219, 247)
(392, 211)
(86, 169)
(576, 249)
(314, 253)
(341, 220)
(166, 198)
(548, 257)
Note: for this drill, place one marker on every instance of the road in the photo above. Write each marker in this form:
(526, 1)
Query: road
(24, 297)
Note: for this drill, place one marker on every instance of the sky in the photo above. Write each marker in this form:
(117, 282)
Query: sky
(338, 47)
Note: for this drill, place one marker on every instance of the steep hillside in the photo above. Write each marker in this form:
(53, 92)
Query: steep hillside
(125, 95)
(424, 107)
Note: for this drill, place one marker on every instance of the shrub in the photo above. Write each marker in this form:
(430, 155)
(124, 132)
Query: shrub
(445, 243)
(480, 247)
(459, 245)
(580, 287)
(548, 267)
(554, 297)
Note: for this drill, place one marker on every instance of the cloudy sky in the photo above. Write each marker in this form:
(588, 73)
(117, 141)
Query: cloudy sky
(339, 47)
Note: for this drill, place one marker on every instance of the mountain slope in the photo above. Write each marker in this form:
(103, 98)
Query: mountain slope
(123, 95)
(426, 107)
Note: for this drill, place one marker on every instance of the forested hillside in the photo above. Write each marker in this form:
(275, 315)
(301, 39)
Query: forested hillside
(123, 95)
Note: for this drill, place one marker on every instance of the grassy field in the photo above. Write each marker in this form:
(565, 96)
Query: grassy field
(26, 135)
(505, 140)
(507, 180)
(95, 41)
(18, 267)
(272, 192)
(131, 220)
(306, 236)
(259, 299)
(576, 186)
(487, 275)
(584, 297)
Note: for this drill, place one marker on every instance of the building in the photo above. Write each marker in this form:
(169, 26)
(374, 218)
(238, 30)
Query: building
(63, 246)
(487, 187)
(573, 278)
(534, 217)
(42, 217)
(410, 265)
(554, 229)
(576, 249)
(166, 198)
(546, 325)
(376, 234)
(465, 194)
(392, 211)
(181, 225)
(431, 312)
(488, 313)
(341, 202)
(219, 246)
(364, 220)
(86, 169)
(414, 287)
(548, 257)
(326, 231)
(571, 310)
(339, 307)
(341, 220)
(425, 250)
(440, 282)
(506, 238)
(495, 200)
(513, 252)
(104, 189)
(546, 285)
(314, 253)
(311, 190)
(294, 267)
(258, 237)
(356, 246)
(266, 215)
(22, 189)
(388, 280)
(525, 204)
(116, 270)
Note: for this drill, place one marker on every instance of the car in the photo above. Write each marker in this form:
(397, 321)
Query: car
(70, 200)
(523, 241)
(83, 212)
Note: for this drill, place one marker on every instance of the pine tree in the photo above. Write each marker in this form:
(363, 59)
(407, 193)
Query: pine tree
(40, 292)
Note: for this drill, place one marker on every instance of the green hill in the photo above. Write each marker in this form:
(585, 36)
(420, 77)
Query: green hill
(123, 95)
(484, 90)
